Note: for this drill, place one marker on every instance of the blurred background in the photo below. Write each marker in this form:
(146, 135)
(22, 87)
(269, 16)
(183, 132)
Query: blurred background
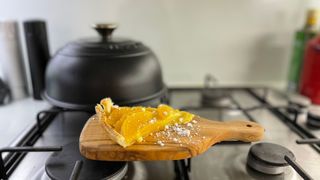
(244, 42)
(255, 60)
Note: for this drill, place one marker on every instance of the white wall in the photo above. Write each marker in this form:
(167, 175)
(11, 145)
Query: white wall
(238, 41)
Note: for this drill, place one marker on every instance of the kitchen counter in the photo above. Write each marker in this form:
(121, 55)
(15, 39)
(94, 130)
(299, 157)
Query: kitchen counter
(17, 116)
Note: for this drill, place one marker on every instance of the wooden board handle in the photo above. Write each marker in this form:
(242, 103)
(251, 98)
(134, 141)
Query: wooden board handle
(246, 131)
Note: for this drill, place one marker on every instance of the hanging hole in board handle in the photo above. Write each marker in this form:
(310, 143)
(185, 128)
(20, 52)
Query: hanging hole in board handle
(105, 29)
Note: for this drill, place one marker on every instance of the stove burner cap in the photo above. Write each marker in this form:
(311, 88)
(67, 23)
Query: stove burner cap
(301, 101)
(215, 97)
(314, 116)
(268, 158)
(60, 165)
(313, 120)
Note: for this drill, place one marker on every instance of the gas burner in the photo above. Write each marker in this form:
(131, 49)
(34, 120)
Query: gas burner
(314, 117)
(299, 100)
(211, 96)
(216, 98)
(298, 103)
(268, 158)
(313, 120)
(60, 165)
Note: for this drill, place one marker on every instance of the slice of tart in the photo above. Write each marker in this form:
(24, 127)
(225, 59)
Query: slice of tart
(128, 125)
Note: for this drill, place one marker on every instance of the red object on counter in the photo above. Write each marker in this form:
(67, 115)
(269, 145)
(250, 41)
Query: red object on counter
(310, 76)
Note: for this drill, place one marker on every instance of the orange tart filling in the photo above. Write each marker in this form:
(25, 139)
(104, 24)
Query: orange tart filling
(127, 125)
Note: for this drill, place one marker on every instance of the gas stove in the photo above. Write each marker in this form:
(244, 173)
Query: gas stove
(290, 149)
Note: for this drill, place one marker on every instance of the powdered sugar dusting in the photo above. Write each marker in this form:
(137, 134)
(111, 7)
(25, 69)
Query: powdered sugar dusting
(184, 132)
(160, 143)
(181, 131)
(178, 133)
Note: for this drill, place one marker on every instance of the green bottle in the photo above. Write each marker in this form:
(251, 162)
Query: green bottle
(300, 41)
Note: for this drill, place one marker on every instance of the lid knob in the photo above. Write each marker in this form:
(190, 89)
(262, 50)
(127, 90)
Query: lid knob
(105, 30)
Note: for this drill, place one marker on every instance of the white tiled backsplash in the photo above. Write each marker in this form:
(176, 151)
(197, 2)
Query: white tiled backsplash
(238, 41)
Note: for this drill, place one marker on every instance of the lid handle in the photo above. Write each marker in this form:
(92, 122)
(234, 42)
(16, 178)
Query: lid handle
(105, 30)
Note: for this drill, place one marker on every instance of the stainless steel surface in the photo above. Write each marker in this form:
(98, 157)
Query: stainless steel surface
(223, 161)
(16, 117)
(228, 161)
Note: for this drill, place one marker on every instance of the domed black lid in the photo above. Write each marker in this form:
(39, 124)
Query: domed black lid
(105, 45)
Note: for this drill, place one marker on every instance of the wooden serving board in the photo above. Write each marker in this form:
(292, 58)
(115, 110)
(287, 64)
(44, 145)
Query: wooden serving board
(95, 143)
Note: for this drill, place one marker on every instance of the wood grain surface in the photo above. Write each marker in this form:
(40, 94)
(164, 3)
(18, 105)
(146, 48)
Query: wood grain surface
(95, 143)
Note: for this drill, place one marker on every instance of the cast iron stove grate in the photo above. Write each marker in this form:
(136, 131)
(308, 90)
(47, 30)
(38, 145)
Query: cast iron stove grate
(69, 164)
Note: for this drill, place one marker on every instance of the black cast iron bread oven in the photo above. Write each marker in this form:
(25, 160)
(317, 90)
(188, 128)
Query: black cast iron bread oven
(87, 70)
